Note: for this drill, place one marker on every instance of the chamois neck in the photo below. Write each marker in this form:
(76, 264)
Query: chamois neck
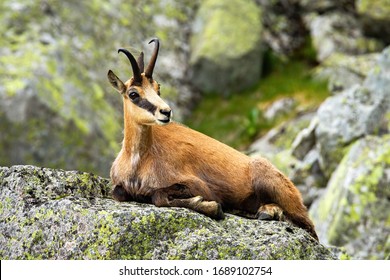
(137, 138)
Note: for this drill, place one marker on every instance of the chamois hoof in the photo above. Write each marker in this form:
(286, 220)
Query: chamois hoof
(219, 214)
(270, 212)
(213, 210)
(264, 216)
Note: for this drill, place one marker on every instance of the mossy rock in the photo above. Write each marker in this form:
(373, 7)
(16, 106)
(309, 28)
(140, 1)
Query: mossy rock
(57, 108)
(353, 113)
(375, 18)
(339, 32)
(322, 6)
(55, 214)
(376, 9)
(355, 210)
(226, 46)
(343, 71)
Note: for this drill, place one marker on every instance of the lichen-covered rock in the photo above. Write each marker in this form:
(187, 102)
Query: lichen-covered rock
(280, 108)
(338, 32)
(226, 46)
(56, 104)
(56, 214)
(355, 210)
(281, 137)
(357, 111)
(325, 5)
(51, 105)
(378, 9)
(284, 31)
(305, 140)
(344, 71)
(375, 16)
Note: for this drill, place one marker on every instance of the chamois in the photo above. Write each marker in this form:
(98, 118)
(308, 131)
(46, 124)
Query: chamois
(168, 164)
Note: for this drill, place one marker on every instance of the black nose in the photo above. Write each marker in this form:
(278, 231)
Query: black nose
(166, 112)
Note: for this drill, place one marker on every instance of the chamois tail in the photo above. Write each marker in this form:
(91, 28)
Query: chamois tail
(271, 186)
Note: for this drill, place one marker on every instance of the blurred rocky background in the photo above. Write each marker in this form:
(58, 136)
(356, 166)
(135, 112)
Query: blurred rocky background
(305, 83)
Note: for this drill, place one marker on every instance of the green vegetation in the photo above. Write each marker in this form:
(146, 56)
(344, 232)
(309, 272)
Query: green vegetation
(236, 120)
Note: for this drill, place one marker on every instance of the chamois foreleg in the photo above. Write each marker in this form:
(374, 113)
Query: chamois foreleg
(167, 198)
(120, 194)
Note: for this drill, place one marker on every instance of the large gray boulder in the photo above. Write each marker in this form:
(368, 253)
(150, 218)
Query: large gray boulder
(354, 113)
(344, 71)
(55, 214)
(283, 32)
(338, 32)
(226, 54)
(355, 210)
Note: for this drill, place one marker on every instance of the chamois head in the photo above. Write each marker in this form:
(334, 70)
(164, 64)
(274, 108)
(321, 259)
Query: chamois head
(141, 93)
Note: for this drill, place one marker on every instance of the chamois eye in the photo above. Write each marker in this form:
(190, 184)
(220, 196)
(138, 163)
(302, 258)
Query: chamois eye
(133, 95)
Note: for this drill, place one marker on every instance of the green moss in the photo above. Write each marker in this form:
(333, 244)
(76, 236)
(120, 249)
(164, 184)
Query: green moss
(290, 252)
(147, 233)
(209, 246)
(377, 9)
(226, 22)
(106, 235)
(37, 236)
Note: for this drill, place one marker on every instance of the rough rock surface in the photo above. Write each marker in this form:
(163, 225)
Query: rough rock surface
(344, 71)
(55, 214)
(375, 18)
(357, 111)
(355, 210)
(338, 32)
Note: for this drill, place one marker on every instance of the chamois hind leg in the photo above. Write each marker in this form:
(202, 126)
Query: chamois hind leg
(212, 209)
(270, 211)
(275, 189)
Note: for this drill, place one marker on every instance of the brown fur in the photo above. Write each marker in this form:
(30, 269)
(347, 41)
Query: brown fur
(173, 165)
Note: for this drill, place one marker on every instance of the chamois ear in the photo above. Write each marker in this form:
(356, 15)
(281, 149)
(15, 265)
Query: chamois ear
(116, 82)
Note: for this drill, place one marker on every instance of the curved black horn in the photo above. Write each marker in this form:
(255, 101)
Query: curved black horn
(140, 62)
(136, 71)
(152, 62)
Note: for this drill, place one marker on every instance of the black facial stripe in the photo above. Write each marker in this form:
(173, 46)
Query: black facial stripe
(145, 104)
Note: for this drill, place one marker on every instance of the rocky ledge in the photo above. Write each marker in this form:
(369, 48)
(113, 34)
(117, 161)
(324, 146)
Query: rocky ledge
(55, 214)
